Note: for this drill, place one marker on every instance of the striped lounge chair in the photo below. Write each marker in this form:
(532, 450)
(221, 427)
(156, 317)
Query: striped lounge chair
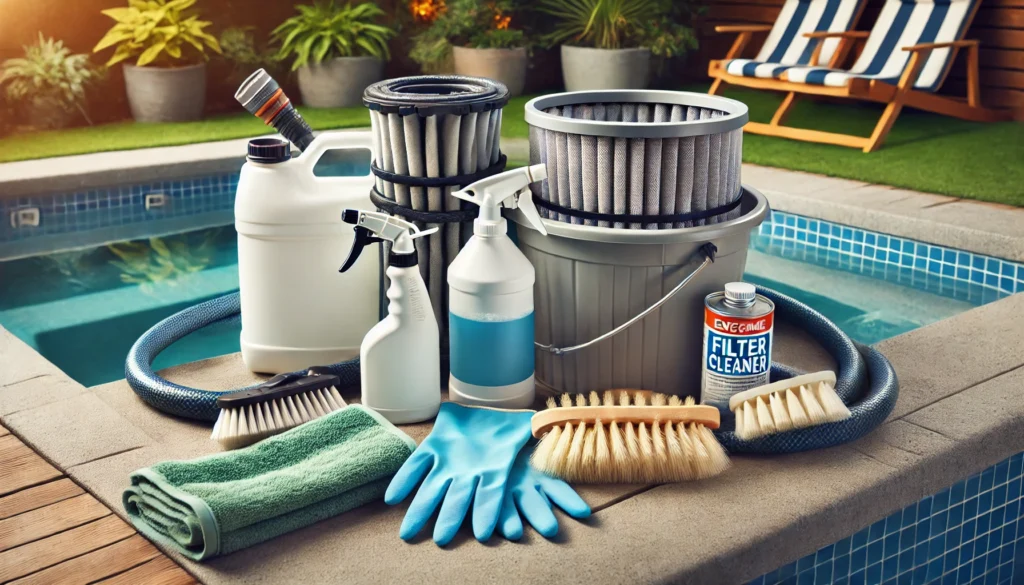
(787, 44)
(905, 60)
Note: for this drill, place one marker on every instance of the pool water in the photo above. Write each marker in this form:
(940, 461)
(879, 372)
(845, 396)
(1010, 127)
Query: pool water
(84, 309)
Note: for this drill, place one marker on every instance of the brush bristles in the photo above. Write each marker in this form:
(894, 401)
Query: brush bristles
(628, 452)
(238, 427)
(792, 408)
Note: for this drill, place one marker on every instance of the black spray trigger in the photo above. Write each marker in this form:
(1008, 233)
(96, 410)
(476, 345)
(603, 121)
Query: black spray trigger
(364, 237)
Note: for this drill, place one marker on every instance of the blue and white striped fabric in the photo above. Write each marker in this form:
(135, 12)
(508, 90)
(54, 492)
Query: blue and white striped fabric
(786, 44)
(902, 23)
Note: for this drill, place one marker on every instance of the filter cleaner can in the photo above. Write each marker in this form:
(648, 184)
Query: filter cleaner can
(737, 343)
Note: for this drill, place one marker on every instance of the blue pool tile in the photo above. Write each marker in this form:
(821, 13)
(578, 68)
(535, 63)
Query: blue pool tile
(999, 494)
(858, 577)
(883, 241)
(875, 551)
(924, 507)
(860, 539)
(977, 568)
(956, 515)
(842, 565)
(826, 553)
(907, 538)
(949, 256)
(921, 554)
(992, 265)
(805, 563)
(1007, 269)
(934, 570)
(967, 531)
(909, 516)
(1002, 472)
(938, 522)
(951, 561)
(874, 573)
(985, 502)
(906, 560)
(971, 507)
(805, 577)
(936, 547)
(894, 522)
(859, 558)
(987, 479)
(905, 579)
(957, 492)
(935, 253)
(890, 568)
(892, 544)
(823, 574)
(786, 571)
(758, 581)
(1013, 489)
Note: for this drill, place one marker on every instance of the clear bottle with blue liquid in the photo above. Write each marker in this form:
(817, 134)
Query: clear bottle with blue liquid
(490, 299)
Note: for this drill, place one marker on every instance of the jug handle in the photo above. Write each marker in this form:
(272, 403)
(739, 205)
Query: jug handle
(344, 140)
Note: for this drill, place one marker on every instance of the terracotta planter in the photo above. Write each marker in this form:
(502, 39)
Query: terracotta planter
(584, 68)
(339, 82)
(505, 65)
(166, 94)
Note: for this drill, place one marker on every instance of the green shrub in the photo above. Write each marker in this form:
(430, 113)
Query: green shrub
(49, 80)
(616, 24)
(158, 32)
(467, 23)
(325, 30)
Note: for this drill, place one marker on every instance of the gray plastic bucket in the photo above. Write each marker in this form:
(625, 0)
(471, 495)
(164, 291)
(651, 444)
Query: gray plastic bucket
(591, 280)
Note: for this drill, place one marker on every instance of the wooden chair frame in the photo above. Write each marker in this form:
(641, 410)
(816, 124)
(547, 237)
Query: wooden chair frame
(894, 96)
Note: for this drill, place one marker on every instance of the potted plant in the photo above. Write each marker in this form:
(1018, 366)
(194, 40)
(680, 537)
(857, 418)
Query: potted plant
(607, 44)
(477, 39)
(337, 50)
(167, 82)
(49, 82)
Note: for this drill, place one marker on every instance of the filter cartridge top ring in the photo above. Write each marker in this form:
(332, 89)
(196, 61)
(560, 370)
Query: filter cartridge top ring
(434, 95)
(735, 114)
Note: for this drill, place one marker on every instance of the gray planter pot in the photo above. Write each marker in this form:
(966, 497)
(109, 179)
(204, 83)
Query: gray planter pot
(584, 68)
(166, 94)
(505, 65)
(339, 82)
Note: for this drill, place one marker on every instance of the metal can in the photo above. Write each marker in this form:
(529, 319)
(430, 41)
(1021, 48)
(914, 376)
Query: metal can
(737, 343)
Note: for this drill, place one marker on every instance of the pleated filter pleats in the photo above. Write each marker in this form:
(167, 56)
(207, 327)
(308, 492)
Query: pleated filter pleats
(638, 176)
(445, 145)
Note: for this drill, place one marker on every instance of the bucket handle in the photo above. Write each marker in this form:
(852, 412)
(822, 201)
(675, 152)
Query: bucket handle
(708, 250)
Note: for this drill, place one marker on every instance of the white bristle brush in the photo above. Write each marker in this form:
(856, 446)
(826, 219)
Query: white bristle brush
(627, 436)
(795, 403)
(283, 402)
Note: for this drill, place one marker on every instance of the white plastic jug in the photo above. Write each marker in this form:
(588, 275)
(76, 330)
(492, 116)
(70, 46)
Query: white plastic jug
(297, 309)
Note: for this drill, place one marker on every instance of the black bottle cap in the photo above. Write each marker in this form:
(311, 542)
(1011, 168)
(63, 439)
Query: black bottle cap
(269, 150)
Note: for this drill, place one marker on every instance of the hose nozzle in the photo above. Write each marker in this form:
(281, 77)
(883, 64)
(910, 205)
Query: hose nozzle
(265, 99)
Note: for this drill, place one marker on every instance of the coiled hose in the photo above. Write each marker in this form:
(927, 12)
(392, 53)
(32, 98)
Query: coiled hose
(181, 400)
(865, 380)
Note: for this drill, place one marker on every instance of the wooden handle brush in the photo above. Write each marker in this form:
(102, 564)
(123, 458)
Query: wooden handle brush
(627, 436)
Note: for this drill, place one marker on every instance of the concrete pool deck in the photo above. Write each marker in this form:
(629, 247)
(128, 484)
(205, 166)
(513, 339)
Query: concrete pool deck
(960, 411)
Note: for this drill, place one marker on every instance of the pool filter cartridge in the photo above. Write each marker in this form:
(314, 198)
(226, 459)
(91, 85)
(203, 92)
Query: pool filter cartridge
(434, 134)
(637, 159)
(737, 353)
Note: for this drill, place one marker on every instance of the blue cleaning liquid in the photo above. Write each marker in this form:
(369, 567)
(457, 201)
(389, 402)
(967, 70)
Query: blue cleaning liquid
(491, 353)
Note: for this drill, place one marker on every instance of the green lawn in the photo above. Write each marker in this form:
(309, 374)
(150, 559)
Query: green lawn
(924, 152)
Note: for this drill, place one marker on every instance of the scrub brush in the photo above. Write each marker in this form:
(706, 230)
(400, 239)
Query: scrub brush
(795, 403)
(627, 436)
(281, 403)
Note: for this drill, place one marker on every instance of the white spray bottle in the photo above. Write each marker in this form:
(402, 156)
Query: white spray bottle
(490, 298)
(400, 371)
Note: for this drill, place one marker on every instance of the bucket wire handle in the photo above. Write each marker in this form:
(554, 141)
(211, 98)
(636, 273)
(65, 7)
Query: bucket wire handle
(708, 250)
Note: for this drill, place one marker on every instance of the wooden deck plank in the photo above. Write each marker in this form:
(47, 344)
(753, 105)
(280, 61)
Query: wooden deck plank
(35, 556)
(20, 467)
(4, 431)
(43, 522)
(159, 571)
(37, 497)
(99, 564)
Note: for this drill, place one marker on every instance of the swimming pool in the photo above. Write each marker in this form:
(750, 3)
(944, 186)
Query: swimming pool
(83, 310)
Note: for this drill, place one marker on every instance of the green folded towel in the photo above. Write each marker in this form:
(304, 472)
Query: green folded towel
(225, 502)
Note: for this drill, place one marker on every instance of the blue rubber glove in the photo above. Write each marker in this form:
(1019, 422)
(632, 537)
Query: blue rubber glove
(533, 492)
(466, 461)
